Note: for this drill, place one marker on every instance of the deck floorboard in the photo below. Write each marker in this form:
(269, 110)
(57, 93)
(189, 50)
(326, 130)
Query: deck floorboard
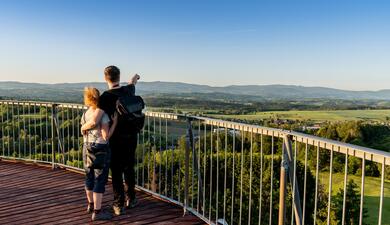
(35, 194)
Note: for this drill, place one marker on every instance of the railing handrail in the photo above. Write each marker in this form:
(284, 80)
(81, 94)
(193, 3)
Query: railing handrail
(338, 146)
(329, 144)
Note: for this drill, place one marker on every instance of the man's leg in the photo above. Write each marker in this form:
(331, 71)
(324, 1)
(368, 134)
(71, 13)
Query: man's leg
(130, 181)
(117, 184)
(129, 172)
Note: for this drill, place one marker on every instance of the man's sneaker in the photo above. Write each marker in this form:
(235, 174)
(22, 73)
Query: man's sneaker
(131, 204)
(102, 215)
(118, 210)
(90, 208)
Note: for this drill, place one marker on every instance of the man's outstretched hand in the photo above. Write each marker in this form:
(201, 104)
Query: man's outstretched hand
(134, 79)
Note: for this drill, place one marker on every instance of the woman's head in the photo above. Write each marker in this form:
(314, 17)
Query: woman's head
(91, 97)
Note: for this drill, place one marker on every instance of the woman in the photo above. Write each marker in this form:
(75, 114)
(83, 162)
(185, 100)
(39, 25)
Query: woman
(96, 154)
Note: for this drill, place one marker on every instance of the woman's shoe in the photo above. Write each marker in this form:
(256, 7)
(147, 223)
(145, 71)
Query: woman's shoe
(90, 208)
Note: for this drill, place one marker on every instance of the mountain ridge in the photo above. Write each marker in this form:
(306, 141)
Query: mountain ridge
(272, 91)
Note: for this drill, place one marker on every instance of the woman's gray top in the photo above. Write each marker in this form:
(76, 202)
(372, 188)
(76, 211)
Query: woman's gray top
(94, 135)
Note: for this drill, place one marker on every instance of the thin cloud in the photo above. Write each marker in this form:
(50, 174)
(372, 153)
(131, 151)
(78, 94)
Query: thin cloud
(240, 31)
(197, 32)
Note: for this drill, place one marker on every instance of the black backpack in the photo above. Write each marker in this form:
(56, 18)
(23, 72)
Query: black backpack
(129, 107)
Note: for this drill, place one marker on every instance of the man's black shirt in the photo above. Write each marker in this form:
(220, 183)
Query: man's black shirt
(107, 103)
(123, 145)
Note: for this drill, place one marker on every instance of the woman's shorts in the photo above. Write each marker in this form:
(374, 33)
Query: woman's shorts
(96, 178)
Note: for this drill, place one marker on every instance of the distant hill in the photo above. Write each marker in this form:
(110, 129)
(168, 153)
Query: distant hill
(72, 91)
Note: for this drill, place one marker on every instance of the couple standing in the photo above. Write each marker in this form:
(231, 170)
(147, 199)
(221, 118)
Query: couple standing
(108, 143)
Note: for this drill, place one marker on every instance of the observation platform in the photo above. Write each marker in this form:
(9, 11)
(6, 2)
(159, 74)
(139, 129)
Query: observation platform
(36, 194)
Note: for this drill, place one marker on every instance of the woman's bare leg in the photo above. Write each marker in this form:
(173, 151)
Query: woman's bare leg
(97, 200)
(89, 196)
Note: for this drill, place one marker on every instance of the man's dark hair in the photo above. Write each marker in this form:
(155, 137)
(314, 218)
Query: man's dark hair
(112, 73)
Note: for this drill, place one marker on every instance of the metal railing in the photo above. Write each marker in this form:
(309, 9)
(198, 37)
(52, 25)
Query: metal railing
(223, 172)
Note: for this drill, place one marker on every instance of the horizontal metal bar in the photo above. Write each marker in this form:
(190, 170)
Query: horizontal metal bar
(28, 103)
(25, 159)
(344, 148)
(163, 115)
(191, 210)
(71, 106)
(241, 126)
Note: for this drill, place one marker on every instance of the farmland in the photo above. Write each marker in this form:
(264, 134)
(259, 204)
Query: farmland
(316, 116)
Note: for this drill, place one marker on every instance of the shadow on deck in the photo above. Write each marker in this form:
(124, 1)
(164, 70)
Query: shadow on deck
(31, 194)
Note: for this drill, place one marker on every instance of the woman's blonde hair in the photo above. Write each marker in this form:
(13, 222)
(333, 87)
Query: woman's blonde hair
(91, 97)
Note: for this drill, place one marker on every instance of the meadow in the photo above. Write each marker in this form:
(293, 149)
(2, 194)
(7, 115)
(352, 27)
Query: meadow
(371, 194)
(317, 116)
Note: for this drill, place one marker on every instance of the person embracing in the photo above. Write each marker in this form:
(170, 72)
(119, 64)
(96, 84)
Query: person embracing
(96, 154)
(123, 142)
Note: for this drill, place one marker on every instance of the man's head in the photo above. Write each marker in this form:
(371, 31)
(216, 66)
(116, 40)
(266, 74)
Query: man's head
(112, 74)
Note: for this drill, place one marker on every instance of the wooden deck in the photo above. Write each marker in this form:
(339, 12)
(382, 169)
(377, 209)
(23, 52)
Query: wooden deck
(31, 194)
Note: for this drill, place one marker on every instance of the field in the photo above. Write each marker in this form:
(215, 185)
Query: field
(317, 116)
(371, 194)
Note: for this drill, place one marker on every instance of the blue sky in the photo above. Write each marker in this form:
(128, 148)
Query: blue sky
(341, 44)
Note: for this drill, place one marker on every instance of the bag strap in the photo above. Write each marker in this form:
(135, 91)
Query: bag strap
(84, 122)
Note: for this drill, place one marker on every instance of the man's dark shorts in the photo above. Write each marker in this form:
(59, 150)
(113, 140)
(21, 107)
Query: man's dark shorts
(96, 179)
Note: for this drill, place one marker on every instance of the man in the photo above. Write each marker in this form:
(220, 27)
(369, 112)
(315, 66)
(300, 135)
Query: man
(123, 142)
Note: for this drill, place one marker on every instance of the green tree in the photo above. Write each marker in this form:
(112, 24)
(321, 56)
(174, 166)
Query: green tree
(352, 204)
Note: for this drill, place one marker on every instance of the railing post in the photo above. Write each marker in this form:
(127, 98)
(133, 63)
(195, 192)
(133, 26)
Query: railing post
(288, 155)
(189, 140)
(283, 186)
(53, 115)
